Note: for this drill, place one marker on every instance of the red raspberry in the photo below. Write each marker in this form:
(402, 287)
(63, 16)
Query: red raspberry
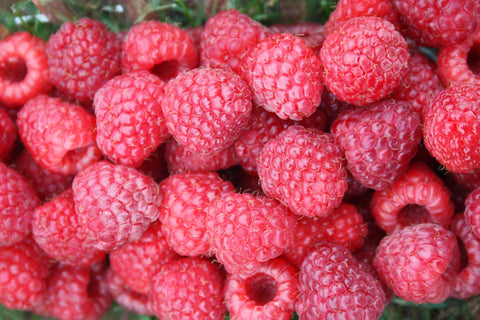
(419, 262)
(348, 9)
(420, 84)
(313, 33)
(364, 59)
(451, 121)
(58, 232)
(269, 293)
(24, 269)
(332, 107)
(467, 180)
(206, 109)
(344, 226)
(189, 288)
(354, 187)
(181, 159)
(419, 186)
(82, 56)
(334, 285)
(246, 231)
(8, 134)
(155, 165)
(114, 203)
(136, 262)
(195, 34)
(130, 122)
(24, 71)
(59, 135)
(467, 282)
(186, 197)
(379, 141)
(160, 48)
(435, 23)
(285, 76)
(311, 180)
(18, 201)
(227, 38)
(472, 211)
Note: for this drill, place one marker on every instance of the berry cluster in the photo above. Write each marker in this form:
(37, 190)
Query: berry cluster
(240, 168)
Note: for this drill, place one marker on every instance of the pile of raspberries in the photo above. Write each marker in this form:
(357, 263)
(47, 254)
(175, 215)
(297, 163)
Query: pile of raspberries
(243, 169)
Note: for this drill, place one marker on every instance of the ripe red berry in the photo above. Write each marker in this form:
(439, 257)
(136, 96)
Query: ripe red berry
(312, 32)
(472, 211)
(8, 134)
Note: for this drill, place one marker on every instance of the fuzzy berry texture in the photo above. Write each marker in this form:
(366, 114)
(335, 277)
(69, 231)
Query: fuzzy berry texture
(332, 284)
(130, 122)
(364, 60)
(285, 76)
(59, 135)
(8, 134)
(379, 141)
(206, 109)
(269, 293)
(161, 48)
(24, 71)
(114, 203)
(172, 299)
(419, 262)
(82, 56)
(305, 169)
(246, 230)
(186, 197)
(472, 211)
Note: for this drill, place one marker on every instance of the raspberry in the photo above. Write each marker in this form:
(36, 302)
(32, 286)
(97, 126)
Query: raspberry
(472, 211)
(246, 231)
(269, 293)
(181, 159)
(313, 33)
(195, 34)
(379, 141)
(189, 288)
(114, 203)
(155, 165)
(130, 122)
(331, 106)
(364, 59)
(160, 48)
(82, 56)
(434, 23)
(24, 71)
(285, 76)
(419, 186)
(58, 232)
(18, 201)
(8, 134)
(419, 262)
(420, 84)
(136, 262)
(227, 38)
(206, 109)
(186, 197)
(467, 282)
(451, 121)
(467, 180)
(311, 180)
(334, 285)
(59, 135)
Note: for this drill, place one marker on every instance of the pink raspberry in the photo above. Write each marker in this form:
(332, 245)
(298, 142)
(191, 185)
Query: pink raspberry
(24, 71)
(472, 211)
(8, 134)
(18, 201)
(186, 197)
(130, 122)
(206, 109)
(161, 48)
(364, 59)
(379, 141)
(418, 187)
(59, 135)
(451, 121)
(419, 262)
(334, 285)
(313, 33)
(246, 231)
(114, 203)
(189, 288)
(435, 23)
(227, 37)
(284, 74)
(269, 293)
(136, 262)
(311, 180)
(82, 56)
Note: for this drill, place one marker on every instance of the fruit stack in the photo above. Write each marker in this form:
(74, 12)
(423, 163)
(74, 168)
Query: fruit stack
(243, 169)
